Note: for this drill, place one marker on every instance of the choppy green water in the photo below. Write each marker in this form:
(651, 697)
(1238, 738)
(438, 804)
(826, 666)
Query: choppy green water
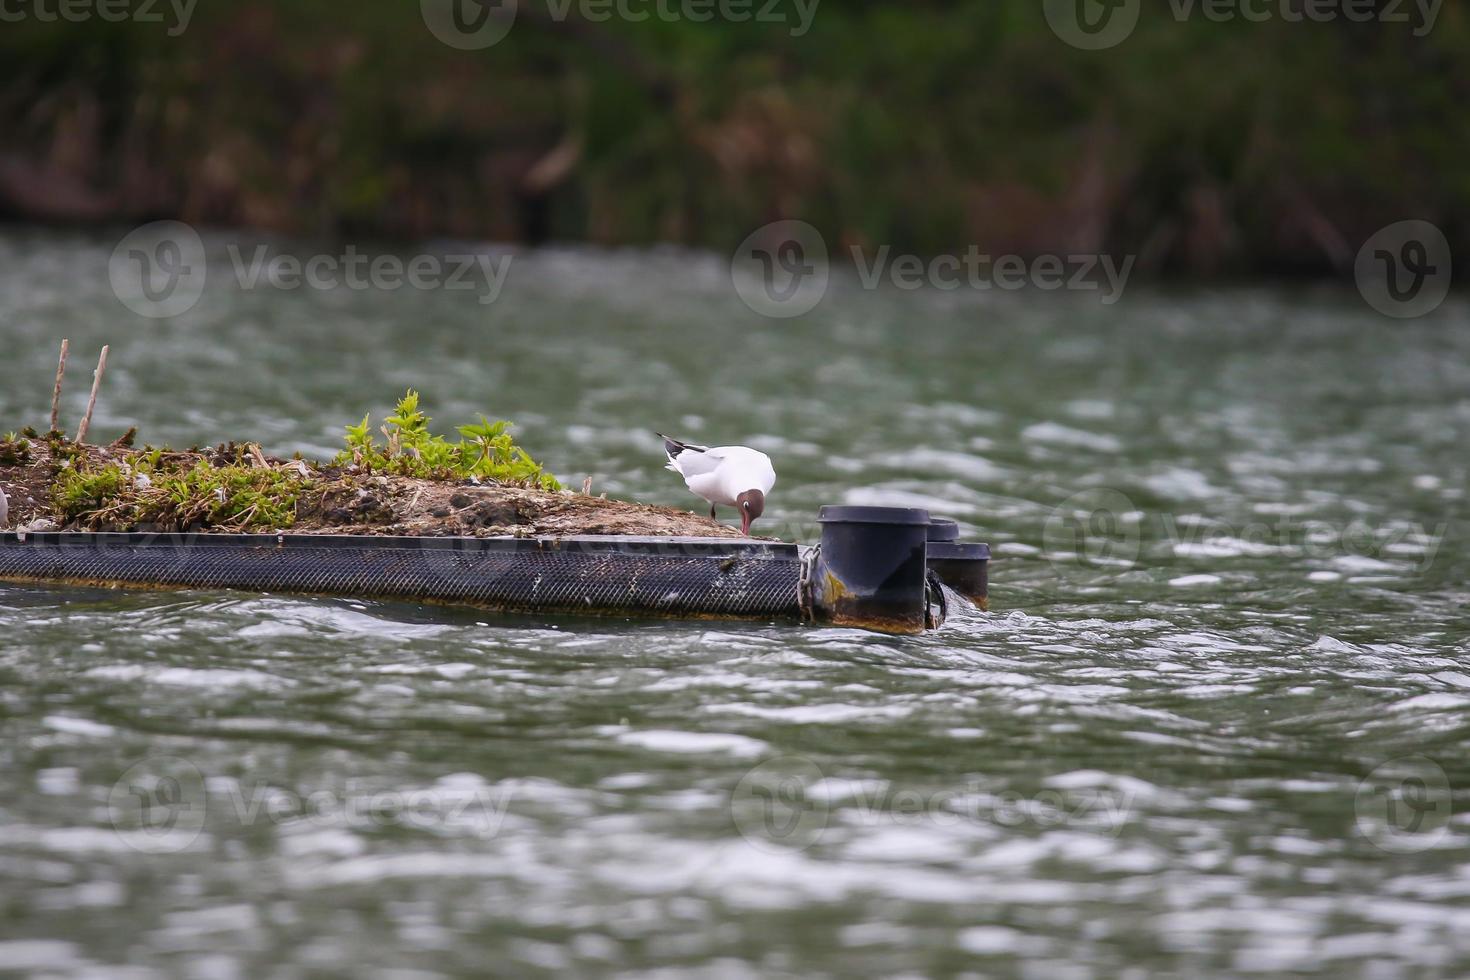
(1230, 586)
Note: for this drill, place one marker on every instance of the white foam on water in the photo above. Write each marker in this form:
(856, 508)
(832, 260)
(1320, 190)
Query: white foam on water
(1189, 581)
(37, 954)
(85, 727)
(1091, 408)
(1182, 483)
(694, 743)
(1226, 547)
(881, 496)
(815, 714)
(1361, 564)
(210, 677)
(1054, 433)
(59, 781)
(994, 940)
(964, 465)
(450, 671)
(1431, 702)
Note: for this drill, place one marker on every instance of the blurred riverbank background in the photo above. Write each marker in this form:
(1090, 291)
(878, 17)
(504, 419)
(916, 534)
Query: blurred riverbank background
(1210, 140)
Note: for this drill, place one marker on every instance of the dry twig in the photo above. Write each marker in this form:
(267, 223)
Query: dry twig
(92, 399)
(56, 392)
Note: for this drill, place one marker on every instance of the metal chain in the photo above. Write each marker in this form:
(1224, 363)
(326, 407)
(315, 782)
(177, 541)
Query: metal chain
(934, 595)
(804, 597)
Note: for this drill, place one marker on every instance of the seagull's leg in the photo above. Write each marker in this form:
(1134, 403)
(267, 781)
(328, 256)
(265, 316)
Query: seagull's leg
(712, 512)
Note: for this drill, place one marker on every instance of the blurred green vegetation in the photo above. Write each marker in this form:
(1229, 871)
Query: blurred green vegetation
(1205, 148)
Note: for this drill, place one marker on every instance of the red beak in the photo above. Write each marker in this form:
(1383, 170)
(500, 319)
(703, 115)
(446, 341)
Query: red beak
(745, 523)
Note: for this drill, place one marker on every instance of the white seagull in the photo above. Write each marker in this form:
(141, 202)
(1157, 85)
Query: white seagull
(735, 476)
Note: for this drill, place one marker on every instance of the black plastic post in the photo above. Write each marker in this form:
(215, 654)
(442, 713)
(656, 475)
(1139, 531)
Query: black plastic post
(943, 529)
(872, 568)
(964, 568)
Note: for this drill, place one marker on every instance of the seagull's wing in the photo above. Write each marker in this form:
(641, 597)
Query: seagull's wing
(689, 461)
(674, 447)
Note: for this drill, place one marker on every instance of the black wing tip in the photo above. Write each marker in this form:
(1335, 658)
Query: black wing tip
(674, 447)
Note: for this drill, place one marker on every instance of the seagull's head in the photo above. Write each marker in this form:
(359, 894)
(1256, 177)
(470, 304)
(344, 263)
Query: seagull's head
(751, 503)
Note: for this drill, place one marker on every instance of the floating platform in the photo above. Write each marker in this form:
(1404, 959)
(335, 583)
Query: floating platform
(872, 569)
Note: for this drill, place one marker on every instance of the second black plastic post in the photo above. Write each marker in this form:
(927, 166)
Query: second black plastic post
(872, 568)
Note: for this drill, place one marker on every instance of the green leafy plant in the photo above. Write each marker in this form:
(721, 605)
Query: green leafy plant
(229, 496)
(179, 496)
(76, 492)
(14, 450)
(233, 487)
(485, 450)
